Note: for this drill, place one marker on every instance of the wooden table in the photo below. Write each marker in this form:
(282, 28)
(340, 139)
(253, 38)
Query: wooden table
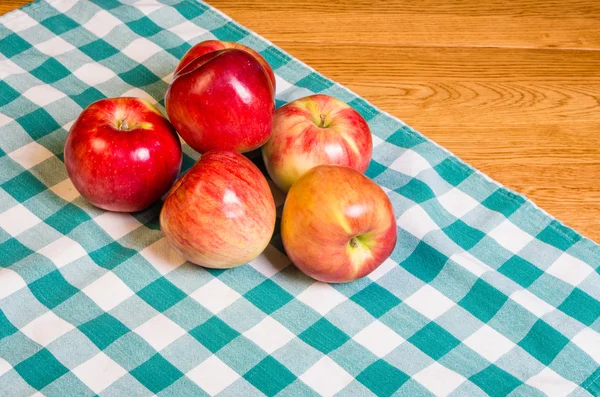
(513, 88)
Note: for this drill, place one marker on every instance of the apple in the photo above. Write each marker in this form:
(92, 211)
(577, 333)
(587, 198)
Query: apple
(222, 100)
(337, 225)
(315, 130)
(221, 213)
(122, 154)
(207, 46)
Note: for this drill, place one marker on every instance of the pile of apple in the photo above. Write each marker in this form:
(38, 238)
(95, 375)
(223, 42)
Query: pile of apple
(337, 225)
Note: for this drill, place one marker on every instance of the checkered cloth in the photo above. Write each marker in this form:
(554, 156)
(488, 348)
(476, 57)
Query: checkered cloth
(484, 293)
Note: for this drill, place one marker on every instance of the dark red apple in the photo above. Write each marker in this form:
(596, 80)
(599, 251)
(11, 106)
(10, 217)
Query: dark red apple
(122, 154)
(222, 100)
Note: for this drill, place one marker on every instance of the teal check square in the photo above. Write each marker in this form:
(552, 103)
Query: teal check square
(558, 236)
(23, 187)
(144, 27)
(417, 191)
(12, 252)
(104, 330)
(382, 378)
(59, 24)
(156, 373)
(67, 218)
(495, 381)
(6, 327)
(111, 255)
(405, 138)
(12, 45)
(9, 94)
(51, 71)
(269, 376)
(214, 334)
(161, 294)
(543, 342)
(503, 202)
(434, 340)
(229, 32)
(324, 336)
(483, 300)
(38, 123)
(52, 289)
(139, 76)
(41, 369)
(268, 296)
(581, 306)
(98, 50)
(520, 271)
(425, 262)
(464, 235)
(376, 299)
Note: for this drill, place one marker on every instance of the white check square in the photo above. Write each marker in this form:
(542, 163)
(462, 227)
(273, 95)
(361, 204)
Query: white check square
(108, 291)
(17, 220)
(19, 21)
(147, 6)
(117, 224)
(457, 202)
(440, 380)
(54, 47)
(159, 331)
(4, 366)
(588, 340)
(417, 222)
(489, 343)
(9, 68)
(162, 256)
(187, 30)
(510, 237)
(65, 190)
(321, 297)
(551, 383)
(10, 282)
(43, 95)
(99, 372)
(63, 251)
(46, 328)
(471, 263)
(215, 295)
(570, 269)
(387, 266)
(531, 302)
(213, 375)
(102, 23)
(429, 302)
(378, 338)
(31, 154)
(94, 74)
(269, 334)
(141, 49)
(326, 377)
(410, 163)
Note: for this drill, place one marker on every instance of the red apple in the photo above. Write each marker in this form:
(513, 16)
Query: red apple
(315, 130)
(122, 154)
(222, 100)
(207, 46)
(337, 224)
(221, 213)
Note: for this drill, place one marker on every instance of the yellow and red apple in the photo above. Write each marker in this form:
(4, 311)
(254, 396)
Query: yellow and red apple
(315, 130)
(222, 99)
(337, 225)
(122, 154)
(221, 213)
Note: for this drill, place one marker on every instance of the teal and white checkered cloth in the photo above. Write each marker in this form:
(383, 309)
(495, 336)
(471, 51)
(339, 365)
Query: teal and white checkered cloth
(485, 294)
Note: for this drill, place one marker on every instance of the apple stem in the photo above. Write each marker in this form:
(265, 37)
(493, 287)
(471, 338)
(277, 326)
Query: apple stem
(322, 120)
(353, 242)
(124, 126)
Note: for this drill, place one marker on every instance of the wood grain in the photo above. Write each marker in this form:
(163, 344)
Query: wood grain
(513, 88)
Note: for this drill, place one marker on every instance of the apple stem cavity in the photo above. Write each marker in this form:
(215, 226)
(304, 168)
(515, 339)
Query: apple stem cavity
(123, 126)
(354, 242)
(322, 120)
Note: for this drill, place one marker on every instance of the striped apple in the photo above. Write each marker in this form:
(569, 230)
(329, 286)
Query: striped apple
(221, 213)
(315, 130)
